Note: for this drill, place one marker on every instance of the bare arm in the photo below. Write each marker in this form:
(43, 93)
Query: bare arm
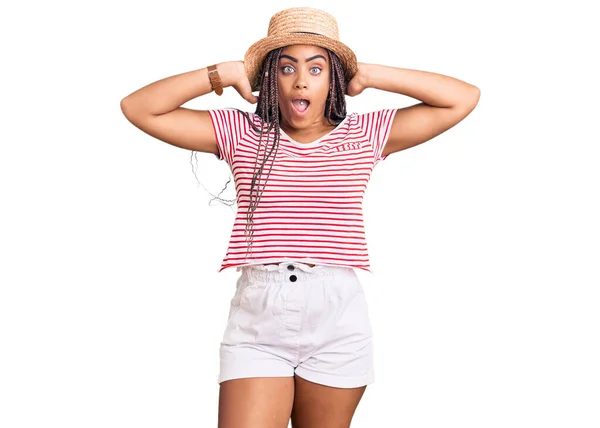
(445, 102)
(156, 108)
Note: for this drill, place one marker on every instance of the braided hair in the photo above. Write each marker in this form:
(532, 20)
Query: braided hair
(267, 110)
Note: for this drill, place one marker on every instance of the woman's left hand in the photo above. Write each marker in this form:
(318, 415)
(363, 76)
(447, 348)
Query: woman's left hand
(359, 82)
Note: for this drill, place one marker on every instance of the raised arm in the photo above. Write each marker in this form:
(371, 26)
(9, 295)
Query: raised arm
(445, 101)
(156, 108)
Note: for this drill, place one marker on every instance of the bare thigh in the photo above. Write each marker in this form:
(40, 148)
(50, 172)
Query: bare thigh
(320, 406)
(260, 402)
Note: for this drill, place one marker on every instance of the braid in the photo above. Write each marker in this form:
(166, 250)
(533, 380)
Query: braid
(268, 110)
(335, 106)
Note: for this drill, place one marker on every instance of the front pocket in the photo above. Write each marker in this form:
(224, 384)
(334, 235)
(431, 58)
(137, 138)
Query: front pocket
(240, 300)
(240, 285)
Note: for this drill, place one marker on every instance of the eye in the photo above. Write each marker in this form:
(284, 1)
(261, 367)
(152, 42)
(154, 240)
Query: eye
(317, 70)
(287, 69)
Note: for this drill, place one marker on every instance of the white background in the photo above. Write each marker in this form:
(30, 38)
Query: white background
(484, 241)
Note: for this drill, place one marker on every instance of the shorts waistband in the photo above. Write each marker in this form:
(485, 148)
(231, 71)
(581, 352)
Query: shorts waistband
(295, 270)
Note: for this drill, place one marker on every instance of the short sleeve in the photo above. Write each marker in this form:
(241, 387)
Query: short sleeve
(230, 126)
(377, 126)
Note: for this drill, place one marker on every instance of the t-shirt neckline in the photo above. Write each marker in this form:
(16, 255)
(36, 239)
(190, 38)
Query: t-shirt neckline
(317, 141)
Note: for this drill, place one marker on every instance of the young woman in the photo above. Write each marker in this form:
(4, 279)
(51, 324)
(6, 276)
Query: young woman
(298, 341)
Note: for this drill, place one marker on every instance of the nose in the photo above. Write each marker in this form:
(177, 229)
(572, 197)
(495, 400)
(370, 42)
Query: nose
(300, 81)
(300, 84)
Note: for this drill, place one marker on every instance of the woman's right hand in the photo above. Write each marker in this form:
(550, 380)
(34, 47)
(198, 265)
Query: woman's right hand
(239, 80)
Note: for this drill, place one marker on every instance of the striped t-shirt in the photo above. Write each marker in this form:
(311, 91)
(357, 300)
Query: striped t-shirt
(311, 208)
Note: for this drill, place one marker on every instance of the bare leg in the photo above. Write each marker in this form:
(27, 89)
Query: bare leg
(260, 402)
(320, 406)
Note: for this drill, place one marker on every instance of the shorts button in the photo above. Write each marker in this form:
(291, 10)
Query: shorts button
(293, 278)
(290, 267)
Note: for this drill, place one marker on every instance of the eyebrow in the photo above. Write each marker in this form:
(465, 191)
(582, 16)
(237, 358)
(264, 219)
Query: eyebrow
(307, 59)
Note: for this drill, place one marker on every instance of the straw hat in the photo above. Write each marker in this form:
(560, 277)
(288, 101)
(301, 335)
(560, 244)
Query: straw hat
(299, 26)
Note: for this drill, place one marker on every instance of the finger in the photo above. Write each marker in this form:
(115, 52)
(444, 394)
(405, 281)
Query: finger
(248, 91)
(245, 91)
(248, 95)
(251, 98)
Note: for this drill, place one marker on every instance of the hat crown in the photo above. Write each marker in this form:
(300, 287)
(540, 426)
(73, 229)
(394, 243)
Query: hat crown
(303, 20)
(299, 26)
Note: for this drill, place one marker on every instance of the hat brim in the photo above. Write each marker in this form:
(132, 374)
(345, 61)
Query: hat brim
(256, 54)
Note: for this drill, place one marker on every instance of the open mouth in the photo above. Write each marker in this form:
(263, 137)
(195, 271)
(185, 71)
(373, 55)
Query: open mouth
(300, 104)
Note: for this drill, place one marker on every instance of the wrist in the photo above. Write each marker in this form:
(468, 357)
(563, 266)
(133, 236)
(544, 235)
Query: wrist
(230, 72)
(365, 75)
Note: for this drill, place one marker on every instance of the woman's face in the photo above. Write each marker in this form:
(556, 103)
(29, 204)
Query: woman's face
(303, 85)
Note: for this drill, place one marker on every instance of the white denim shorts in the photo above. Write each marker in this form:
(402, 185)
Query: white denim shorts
(290, 318)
